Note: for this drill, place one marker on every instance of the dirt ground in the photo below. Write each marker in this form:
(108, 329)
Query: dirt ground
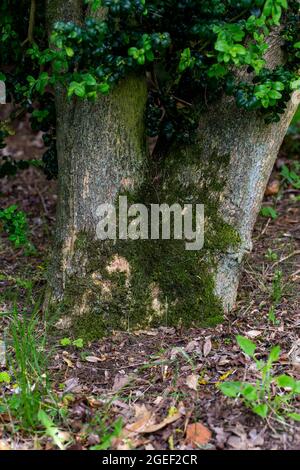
(161, 382)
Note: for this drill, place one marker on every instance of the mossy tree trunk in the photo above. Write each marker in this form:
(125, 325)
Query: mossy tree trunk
(98, 286)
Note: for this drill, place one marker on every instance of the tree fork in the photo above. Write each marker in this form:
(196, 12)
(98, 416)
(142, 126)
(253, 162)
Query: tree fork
(101, 154)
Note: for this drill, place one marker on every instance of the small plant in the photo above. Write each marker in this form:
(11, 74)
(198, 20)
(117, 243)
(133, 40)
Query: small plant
(109, 435)
(52, 431)
(269, 212)
(14, 223)
(277, 287)
(272, 316)
(78, 343)
(29, 390)
(270, 394)
(271, 255)
(291, 176)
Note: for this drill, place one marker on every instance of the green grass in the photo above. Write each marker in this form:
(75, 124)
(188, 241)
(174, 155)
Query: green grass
(27, 363)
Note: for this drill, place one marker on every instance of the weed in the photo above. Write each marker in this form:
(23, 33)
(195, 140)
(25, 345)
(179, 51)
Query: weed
(109, 433)
(78, 343)
(277, 287)
(270, 394)
(291, 175)
(271, 255)
(272, 316)
(27, 364)
(269, 212)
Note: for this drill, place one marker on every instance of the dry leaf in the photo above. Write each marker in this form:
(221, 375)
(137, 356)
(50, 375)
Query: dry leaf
(93, 359)
(2, 354)
(253, 333)
(72, 385)
(207, 347)
(163, 424)
(197, 434)
(272, 188)
(121, 381)
(191, 346)
(4, 445)
(145, 423)
(192, 382)
(68, 362)
(144, 418)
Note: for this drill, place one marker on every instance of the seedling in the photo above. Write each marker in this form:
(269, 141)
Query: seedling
(78, 343)
(271, 255)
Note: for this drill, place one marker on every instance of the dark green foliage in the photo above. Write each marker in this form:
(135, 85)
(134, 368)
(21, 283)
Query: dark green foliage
(191, 51)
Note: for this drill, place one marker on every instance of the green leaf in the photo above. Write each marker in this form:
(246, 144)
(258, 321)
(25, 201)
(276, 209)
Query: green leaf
(285, 381)
(69, 51)
(249, 393)
(78, 343)
(269, 212)
(247, 346)
(65, 342)
(89, 79)
(274, 354)
(51, 430)
(294, 416)
(76, 88)
(5, 377)
(104, 88)
(261, 410)
(275, 94)
(231, 389)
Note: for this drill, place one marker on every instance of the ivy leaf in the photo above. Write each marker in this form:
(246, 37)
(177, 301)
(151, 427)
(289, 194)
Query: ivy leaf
(294, 416)
(269, 212)
(89, 79)
(76, 88)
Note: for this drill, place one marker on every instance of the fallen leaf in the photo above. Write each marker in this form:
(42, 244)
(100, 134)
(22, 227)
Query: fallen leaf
(197, 434)
(253, 333)
(207, 347)
(192, 382)
(93, 359)
(68, 362)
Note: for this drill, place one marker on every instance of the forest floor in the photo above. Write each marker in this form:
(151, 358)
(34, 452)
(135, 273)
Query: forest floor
(156, 389)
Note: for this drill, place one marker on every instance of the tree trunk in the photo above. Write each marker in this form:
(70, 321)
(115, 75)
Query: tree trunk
(98, 285)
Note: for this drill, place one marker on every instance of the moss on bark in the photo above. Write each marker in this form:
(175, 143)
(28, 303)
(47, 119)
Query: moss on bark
(146, 283)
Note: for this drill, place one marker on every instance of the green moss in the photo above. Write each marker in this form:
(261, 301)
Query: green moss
(167, 285)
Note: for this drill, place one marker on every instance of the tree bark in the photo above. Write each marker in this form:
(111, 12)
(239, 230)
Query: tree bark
(98, 286)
